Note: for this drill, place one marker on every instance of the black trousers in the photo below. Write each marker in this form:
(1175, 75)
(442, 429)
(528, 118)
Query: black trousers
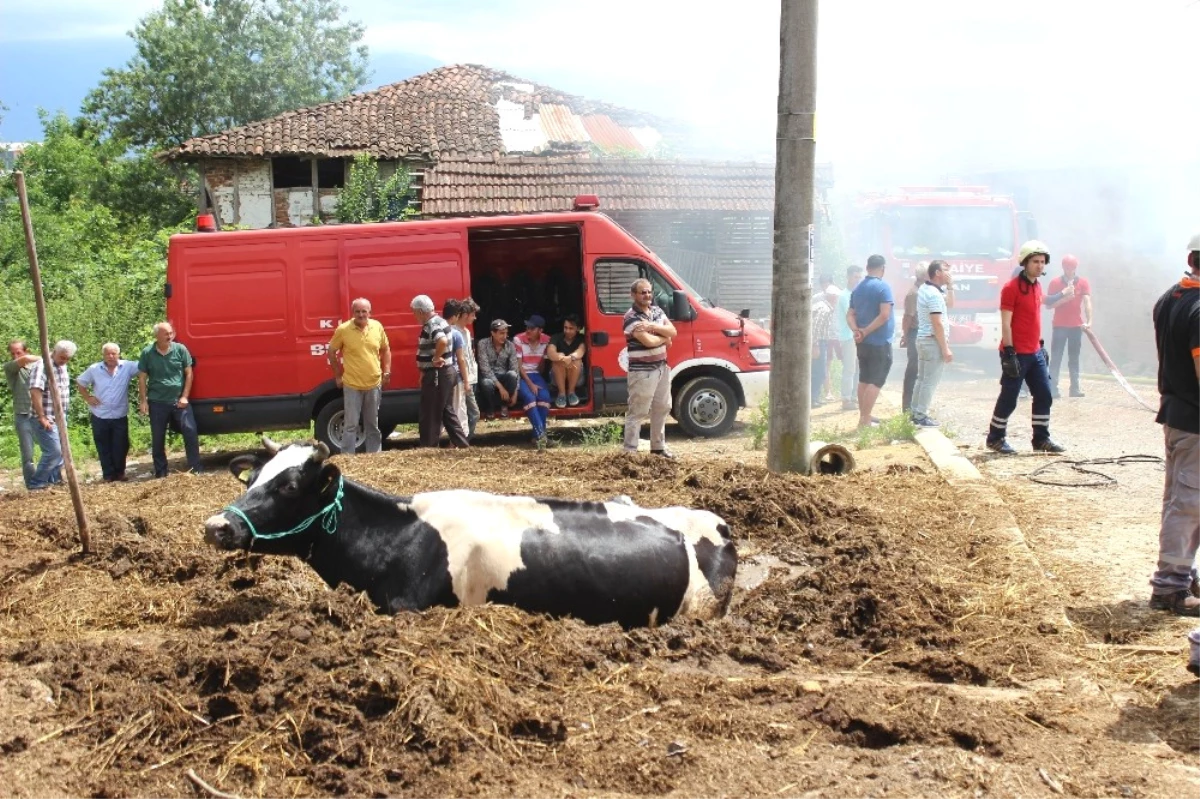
(437, 408)
(910, 372)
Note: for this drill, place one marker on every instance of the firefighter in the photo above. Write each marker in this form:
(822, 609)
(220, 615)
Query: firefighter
(1177, 335)
(1022, 353)
(1070, 296)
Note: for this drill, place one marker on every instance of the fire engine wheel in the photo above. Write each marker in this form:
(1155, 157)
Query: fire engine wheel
(328, 427)
(706, 407)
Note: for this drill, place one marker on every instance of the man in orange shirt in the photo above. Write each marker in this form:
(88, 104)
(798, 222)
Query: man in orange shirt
(1071, 298)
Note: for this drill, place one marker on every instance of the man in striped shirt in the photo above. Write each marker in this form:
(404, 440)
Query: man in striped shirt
(532, 390)
(648, 333)
(49, 468)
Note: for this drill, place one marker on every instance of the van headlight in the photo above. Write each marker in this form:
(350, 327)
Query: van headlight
(761, 354)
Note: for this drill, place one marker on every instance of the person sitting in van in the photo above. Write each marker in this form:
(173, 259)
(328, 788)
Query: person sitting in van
(532, 391)
(565, 354)
(499, 370)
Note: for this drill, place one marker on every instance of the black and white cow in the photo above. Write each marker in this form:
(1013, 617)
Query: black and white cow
(597, 561)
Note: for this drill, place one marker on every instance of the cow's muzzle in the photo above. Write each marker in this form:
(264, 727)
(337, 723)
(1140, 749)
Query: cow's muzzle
(218, 532)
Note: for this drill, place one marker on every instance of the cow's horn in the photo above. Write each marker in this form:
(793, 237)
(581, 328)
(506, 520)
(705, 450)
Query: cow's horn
(321, 452)
(272, 447)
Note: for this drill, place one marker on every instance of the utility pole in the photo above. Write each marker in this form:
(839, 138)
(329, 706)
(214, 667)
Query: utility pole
(791, 306)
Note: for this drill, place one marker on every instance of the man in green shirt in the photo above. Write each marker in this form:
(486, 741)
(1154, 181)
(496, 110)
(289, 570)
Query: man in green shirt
(164, 383)
(16, 372)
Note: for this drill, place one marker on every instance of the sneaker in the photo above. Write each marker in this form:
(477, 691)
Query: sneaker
(925, 421)
(1180, 602)
(540, 441)
(560, 401)
(572, 400)
(504, 412)
(1048, 446)
(849, 405)
(1001, 446)
(1077, 392)
(663, 453)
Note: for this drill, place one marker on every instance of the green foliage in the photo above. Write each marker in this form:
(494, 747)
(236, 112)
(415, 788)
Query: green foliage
(100, 248)
(203, 66)
(605, 434)
(895, 428)
(366, 198)
(760, 423)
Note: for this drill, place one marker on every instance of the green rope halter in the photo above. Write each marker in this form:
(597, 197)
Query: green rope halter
(328, 516)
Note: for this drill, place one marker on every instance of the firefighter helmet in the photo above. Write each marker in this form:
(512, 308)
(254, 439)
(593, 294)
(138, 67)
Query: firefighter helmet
(1070, 262)
(1034, 248)
(1194, 244)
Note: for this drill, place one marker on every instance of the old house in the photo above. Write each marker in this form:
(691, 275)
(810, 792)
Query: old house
(479, 141)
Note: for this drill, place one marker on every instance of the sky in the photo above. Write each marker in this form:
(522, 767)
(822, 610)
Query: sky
(1023, 80)
(911, 90)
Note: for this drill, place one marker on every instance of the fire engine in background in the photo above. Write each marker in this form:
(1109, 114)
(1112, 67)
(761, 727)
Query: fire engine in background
(976, 232)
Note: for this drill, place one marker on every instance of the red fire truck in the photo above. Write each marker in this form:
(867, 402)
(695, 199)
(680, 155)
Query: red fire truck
(976, 232)
(257, 308)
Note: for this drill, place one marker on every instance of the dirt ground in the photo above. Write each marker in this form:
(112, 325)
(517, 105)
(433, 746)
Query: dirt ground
(888, 638)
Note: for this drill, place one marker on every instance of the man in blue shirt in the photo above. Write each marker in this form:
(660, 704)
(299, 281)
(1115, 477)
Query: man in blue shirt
(104, 386)
(870, 318)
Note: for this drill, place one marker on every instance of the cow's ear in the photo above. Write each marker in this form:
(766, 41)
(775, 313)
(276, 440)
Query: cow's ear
(329, 475)
(243, 466)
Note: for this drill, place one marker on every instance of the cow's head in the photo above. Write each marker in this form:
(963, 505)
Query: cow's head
(290, 485)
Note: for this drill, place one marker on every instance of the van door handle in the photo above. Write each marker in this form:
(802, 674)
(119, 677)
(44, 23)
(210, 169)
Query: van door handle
(599, 339)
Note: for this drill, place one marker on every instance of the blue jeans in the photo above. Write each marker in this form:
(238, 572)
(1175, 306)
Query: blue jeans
(817, 383)
(161, 414)
(536, 406)
(112, 445)
(489, 397)
(1034, 374)
(27, 427)
(49, 468)
(1068, 338)
(929, 374)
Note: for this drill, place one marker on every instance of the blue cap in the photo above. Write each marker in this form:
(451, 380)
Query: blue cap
(535, 321)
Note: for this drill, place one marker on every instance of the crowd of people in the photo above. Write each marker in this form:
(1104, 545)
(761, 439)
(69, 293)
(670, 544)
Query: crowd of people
(164, 373)
(462, 381)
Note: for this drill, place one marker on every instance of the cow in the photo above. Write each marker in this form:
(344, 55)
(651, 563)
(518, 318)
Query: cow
(599, 562)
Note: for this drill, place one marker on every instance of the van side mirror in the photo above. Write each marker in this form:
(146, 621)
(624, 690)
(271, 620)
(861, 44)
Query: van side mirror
(681, 308)
(744, 313)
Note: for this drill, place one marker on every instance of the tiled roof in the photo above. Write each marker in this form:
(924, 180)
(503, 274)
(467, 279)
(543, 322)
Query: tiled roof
(448, 113)
(521, 184)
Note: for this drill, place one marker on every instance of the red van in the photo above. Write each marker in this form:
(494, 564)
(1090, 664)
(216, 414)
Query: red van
(257, 308)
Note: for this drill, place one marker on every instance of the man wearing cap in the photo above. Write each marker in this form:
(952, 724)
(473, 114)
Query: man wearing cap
(1022, 357)
(364, 369)
(1071, 298)
(648, 333)
(438, 378)
(1174, 586)
(532, 390)
(499, 371)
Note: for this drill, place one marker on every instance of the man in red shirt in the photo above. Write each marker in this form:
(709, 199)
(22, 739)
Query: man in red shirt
(1022, 357)
(1071, 298)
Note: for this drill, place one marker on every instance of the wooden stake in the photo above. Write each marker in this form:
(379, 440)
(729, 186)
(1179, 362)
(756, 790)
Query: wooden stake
(60, 413)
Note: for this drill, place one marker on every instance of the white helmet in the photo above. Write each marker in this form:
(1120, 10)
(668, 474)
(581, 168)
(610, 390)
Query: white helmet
(1194, 244)
(1033, 247)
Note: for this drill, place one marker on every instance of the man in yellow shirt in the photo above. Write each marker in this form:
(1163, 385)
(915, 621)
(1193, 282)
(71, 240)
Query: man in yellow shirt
(365, 367)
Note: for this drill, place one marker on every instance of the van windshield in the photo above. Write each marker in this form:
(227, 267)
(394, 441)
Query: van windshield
(704, 301)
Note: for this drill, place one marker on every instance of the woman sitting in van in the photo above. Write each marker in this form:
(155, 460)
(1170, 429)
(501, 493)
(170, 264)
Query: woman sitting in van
(565, 354)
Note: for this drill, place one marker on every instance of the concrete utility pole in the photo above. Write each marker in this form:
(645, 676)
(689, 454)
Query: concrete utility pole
(791, 310)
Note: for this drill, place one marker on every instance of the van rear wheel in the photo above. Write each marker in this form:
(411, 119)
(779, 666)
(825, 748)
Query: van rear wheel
(328, 427)
(706, 407)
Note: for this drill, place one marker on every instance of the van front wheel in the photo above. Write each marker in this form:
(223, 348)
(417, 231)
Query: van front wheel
(328, 427)
(706, 407)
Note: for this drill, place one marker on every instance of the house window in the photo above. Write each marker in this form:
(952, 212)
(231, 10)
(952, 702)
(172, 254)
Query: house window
(290, 172)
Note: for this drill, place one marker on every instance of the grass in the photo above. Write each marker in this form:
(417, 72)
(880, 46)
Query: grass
(602, 435)
(895, 428)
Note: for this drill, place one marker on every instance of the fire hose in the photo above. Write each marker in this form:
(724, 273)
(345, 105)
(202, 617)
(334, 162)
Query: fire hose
(1112, 367)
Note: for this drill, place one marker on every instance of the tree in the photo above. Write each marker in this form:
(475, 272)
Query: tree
(366, 198)
(203, 66)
